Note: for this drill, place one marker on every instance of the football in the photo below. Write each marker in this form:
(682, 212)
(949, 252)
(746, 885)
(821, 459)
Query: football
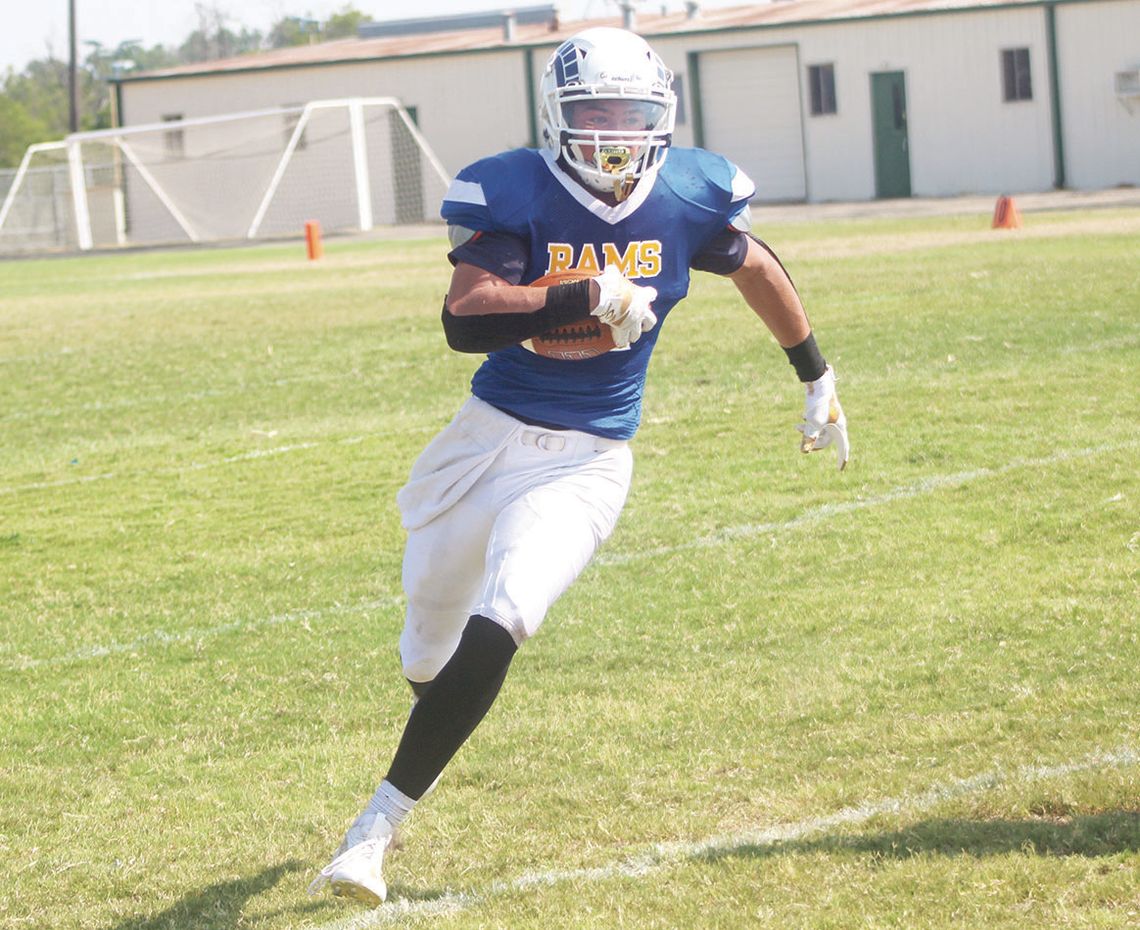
(578, 341)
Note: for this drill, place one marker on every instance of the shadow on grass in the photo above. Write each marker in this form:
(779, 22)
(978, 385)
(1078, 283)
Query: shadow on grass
(217, 907)
(1094, 835)
(220, 906)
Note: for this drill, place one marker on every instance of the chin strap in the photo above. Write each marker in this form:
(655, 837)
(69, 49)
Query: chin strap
(623, 188)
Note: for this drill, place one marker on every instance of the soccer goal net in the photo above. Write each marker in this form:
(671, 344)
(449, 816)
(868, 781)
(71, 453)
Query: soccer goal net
(350, 164)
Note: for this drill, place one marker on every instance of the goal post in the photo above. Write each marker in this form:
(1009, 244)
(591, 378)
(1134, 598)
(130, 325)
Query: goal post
(351, 164)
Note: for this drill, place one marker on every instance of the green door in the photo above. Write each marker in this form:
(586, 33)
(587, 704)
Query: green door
(888, 117)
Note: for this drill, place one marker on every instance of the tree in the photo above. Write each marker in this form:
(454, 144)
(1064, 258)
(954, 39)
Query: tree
(344, 24)
(18, 130)
(128, 56)
(214, 39)
(293, 30)
(34, 102)
(103, 64)
(41, 88)
(297, 30)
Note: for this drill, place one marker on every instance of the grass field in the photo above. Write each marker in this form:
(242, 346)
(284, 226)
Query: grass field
(903, 696)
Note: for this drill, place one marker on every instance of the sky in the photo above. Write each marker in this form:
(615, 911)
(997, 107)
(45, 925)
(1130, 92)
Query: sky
(29, 29)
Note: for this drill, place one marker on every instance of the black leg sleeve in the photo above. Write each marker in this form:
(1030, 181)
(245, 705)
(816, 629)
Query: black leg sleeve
(459, 697)
(419, 688)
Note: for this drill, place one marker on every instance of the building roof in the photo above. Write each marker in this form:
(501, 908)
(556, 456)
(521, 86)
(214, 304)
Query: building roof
(528, 34)
(484, 19)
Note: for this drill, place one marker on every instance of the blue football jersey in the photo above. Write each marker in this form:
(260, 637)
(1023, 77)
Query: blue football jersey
(671, 215)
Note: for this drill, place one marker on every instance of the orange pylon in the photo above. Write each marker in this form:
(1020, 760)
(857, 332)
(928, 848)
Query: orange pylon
(1006, 215)
(313, 245)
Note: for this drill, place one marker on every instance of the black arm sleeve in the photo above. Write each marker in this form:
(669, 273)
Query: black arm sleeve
(502, 254)
(489, 332)
(723, 254)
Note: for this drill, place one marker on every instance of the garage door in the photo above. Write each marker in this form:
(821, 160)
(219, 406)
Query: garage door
(750, 104)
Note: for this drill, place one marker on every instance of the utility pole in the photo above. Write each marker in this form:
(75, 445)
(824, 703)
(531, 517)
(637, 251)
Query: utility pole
(72, 83)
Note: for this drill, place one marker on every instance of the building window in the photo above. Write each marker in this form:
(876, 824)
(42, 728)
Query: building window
(679, 90)
(174, 139)
(1015, 80)
(821, 79)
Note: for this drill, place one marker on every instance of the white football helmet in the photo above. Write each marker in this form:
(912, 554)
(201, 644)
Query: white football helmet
(603, 64)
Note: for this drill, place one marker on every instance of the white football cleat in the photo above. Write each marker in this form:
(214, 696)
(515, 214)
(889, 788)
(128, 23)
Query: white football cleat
(357, 872)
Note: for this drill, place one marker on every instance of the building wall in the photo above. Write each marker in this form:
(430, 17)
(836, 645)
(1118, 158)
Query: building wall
(1101, 135)
(752, 116)
(449, 93)
(963, 138)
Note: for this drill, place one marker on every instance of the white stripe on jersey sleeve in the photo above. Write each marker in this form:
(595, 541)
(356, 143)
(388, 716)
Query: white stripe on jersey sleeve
(742, 191)
(742, 187)
(741, 221)
(466, 192)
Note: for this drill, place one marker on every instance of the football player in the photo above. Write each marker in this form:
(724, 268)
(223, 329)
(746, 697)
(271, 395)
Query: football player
(506, 506)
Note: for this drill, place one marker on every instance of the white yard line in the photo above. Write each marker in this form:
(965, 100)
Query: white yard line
(160, 400)
(179, 469)
(196, 634)
(808, 517)
(664, 856)
(826, 511)
(216, 463)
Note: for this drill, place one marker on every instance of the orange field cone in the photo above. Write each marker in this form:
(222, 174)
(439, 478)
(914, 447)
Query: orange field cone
(1006, 215)
(313, 245)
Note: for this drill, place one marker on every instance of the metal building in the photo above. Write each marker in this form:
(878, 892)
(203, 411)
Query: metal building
(818, 100)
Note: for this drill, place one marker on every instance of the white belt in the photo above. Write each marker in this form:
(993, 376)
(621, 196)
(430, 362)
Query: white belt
(558, 442)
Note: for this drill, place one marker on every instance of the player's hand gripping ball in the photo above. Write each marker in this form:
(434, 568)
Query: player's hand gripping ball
(588, 338)
(623, 313)
(625, 307)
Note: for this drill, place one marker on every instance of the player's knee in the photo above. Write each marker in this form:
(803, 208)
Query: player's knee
(512, 622)
(419, 688)
(491, 640)
(428, 640)
(421, 670)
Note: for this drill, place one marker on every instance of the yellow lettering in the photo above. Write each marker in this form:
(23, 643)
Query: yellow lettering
(560, 257)
(589, 259)
(649, 259)
(627, 262)
(637, 260)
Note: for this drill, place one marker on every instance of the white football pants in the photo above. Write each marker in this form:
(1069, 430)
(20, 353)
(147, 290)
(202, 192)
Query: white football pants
(501, 518)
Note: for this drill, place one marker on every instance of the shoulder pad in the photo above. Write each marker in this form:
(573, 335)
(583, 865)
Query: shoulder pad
(742, 221)
(493, 194)
(457, 235)
(710, 180)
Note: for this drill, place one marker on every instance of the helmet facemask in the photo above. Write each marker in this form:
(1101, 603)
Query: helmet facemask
(607, 109)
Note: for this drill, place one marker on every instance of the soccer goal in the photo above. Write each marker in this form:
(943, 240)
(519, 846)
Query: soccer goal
(350, 164)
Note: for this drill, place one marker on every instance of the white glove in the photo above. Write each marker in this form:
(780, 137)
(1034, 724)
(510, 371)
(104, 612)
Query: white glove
(824, 422)
(624, 307)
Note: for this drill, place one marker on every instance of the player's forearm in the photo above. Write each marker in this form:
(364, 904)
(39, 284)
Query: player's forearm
(490, 299)
(767, 289)
(495, 323)
(492, 295)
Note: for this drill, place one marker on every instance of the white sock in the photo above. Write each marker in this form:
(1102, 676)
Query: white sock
(386, 810)
(391, 803)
